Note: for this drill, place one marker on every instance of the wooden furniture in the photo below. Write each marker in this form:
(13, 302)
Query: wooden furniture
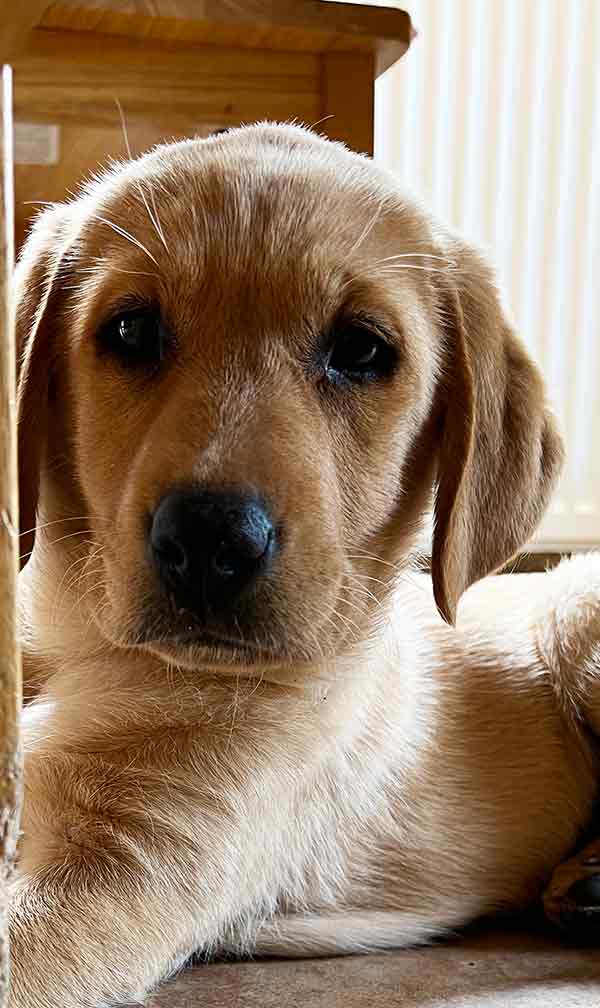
(185, 67)
(10, 667)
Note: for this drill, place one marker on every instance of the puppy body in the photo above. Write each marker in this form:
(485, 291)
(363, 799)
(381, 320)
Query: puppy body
(376, 803)
(368, 776)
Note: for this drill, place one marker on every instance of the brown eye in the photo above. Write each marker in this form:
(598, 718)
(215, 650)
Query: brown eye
(360, 354)
(136, 338)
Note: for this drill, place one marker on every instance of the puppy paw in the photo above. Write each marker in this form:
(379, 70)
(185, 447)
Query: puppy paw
(572, 898)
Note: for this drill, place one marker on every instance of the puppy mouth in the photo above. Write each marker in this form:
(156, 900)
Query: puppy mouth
(201, 639)
(205, 638)
(194, 645)
(215, 641)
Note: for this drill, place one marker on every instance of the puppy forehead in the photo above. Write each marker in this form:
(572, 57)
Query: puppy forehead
(245, 180)
(271, 223)
(258, 198)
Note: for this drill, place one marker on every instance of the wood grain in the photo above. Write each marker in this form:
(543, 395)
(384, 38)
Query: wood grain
(348, 99)
(10, 663)
(17, 18)
(75, 77)
(184, 67)
(303, 25)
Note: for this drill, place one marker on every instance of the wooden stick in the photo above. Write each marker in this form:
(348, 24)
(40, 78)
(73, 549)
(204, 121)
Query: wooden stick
(10, 659)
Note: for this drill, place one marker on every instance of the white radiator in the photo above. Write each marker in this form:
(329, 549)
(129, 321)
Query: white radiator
(493, 118)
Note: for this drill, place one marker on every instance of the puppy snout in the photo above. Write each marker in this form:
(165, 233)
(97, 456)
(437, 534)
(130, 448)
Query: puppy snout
(209, 546)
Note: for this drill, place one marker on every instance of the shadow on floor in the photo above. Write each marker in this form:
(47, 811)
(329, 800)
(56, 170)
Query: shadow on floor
(488, 967)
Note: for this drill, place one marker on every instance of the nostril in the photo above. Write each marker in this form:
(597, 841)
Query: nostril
(209, 546)
(227, 560)
(171, 553)
(244, 552)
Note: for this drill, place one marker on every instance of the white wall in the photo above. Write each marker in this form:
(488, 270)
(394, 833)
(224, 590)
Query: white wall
(493, 118)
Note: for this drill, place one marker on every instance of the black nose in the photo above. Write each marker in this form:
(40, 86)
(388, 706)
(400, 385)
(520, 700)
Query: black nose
(210, 546)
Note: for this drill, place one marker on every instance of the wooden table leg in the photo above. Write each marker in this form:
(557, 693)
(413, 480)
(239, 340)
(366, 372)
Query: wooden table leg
(10, 662)
(348, 96)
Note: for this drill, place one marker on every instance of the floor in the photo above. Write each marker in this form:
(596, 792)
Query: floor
(491, 968)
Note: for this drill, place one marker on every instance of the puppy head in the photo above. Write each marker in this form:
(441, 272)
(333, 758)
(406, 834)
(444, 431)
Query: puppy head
(246, 362)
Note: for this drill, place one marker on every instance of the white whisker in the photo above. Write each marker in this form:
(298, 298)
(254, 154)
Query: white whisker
(349, 622)
(368, 577)
(367, 228)
(321, 120)
(39, 202)
(371, 556)
(398, 267)
(114, 269)
(341, 597)
(372, 271)
(153, 217)
(157, 223)
(125, 234)
(56, 521)
(358, 589)
(415, 255)
(60, 539)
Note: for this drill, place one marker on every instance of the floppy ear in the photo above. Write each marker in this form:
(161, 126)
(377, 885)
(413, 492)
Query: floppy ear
(500, 452)
(35, 286)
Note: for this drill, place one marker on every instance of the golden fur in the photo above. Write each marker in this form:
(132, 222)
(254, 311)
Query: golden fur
(368, 775)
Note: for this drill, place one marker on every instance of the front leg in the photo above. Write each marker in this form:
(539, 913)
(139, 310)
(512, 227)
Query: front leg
(130, 862)
(88, 934)
(103, 918)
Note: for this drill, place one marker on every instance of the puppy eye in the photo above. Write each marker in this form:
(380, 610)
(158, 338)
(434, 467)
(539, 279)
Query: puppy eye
(135, 337)
(360, 354)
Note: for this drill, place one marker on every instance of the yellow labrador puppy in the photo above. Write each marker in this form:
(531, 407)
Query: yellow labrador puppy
(248, 366)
